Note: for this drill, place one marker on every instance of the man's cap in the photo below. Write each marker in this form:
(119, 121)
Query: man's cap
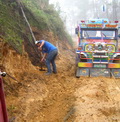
(36, 42)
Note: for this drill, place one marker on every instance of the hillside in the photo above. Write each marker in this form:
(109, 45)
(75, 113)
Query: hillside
(43, 19)
(33, 97)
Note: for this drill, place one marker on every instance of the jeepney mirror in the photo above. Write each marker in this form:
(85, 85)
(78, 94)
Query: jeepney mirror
(76, 30)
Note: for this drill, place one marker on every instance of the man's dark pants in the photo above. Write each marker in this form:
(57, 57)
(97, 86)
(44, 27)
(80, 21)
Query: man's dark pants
(51, 59)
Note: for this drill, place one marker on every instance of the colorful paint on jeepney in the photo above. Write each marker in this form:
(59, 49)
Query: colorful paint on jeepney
(82, 64)
(116, 65)
(108, 41)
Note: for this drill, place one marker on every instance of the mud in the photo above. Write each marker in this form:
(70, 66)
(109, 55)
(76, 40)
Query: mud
(60, 97)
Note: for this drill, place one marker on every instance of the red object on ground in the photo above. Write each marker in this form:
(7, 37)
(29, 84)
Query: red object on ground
(3, 110)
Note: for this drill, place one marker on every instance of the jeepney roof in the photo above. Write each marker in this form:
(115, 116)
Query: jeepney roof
(99, 23)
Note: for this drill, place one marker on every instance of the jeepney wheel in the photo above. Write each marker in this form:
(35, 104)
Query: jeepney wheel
(77, 73)
(77, 59)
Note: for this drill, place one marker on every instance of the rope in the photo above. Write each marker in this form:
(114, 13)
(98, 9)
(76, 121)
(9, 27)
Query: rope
(12, 77)
(3, 74)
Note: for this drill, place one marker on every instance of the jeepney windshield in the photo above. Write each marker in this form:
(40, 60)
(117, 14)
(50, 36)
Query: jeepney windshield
(98, 33)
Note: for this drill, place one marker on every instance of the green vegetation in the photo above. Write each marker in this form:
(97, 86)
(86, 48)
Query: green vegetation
(39, 13)
(47, 18)
(11, 26)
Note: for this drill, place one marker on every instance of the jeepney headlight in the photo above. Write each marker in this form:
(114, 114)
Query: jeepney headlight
(89, 47)
(110, 48)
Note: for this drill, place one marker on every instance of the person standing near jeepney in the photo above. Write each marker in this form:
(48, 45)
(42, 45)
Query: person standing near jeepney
(49, 54)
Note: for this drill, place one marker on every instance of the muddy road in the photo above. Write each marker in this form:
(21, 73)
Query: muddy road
(60, 97)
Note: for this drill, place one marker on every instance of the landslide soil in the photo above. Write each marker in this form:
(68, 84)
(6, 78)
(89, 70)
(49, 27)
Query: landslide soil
(60, 97)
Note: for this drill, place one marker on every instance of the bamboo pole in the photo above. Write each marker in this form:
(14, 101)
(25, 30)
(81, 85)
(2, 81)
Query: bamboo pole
(40, 55)
(26, 20)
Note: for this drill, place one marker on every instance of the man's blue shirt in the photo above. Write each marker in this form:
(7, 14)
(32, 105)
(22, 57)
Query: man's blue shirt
(47, 47)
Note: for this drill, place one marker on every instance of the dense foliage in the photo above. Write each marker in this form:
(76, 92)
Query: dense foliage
(39, 13)
(11, 26)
